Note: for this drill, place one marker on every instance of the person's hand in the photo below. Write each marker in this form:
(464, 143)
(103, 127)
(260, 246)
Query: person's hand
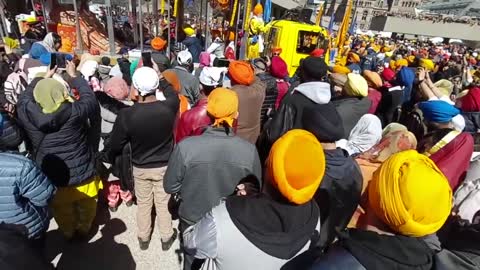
(50, 72)
(241, 190)
(71, 70)
(421, 74)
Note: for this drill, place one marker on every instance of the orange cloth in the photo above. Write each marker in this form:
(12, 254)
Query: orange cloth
(172, 78)
(158, 43)
(258, 9)
(354, 58)
(341, 69)
(373, 79)
(296, 165)
(223, 106)
(241, 72)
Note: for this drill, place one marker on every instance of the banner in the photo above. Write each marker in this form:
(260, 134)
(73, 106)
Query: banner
(318, 19)
(342, 32)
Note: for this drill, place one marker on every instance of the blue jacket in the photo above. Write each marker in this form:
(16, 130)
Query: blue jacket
(194, 47)
(24, 194)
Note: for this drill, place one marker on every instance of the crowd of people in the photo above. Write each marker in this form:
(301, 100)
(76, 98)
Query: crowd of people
(365, 164)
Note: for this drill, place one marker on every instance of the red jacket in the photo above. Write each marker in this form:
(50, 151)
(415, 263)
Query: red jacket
(193, 122)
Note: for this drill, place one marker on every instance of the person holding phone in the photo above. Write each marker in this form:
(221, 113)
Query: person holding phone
(55, 124)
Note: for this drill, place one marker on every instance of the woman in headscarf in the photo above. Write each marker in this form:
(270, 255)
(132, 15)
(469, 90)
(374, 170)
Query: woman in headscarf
(112, 100)
(51, 43)
(363, 136)
(451, 151)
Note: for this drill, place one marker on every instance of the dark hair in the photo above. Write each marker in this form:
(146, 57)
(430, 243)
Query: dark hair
(432, 138)
(207, 89)
(56, 38)
(106, 61)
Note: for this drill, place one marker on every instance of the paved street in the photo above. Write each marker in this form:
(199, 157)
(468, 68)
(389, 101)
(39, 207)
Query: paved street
(114, 246)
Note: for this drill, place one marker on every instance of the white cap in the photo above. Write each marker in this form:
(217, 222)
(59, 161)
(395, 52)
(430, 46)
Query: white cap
(89, 68)
(184, 58)
(145, 80)
(212, 76)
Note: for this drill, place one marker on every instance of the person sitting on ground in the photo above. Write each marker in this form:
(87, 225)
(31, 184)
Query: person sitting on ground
(251, 94)
(400, 212)
(104, 69)
(25, 193)
(148, 127)
(270, 227)
(50, 44)
(189, 83)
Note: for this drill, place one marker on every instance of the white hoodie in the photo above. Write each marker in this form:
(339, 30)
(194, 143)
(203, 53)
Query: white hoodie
(318, 92)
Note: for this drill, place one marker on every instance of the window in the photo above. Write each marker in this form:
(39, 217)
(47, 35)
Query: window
(309, 41)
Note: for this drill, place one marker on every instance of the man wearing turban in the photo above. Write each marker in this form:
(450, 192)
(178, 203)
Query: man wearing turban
(339, 193)
(255, 33)
(266, 230)
(206, 168)
(399, 212)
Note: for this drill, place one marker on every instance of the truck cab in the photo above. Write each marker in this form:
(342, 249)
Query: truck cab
(296, 39)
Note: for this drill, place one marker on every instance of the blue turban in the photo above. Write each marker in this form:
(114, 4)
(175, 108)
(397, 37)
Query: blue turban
(438, 111)
(405, 78)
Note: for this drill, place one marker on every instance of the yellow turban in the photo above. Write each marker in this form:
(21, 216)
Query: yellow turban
(356, 85)
(389, 54)
(392, 64)
(445, 86)
(296, 165)
(354, 58)
(50, 95)
(401, 63)
(258, 9)
(411, 59)
(410, 194)
(341, 69)
(223, 106)
(189, 31)
(427, 64)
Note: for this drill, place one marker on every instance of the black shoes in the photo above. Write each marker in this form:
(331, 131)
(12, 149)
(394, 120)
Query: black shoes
(168, 244)
(143, 244)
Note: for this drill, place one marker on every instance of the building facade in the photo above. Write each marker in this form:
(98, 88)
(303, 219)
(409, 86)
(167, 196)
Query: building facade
(469, 8)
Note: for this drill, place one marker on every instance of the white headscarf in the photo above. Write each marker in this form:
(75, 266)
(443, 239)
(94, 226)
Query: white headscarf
(48, 42)
(366, 133)
(89, 68)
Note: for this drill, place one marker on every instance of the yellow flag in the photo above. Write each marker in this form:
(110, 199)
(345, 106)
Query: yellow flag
(246, 16)
(342, 32)
(318, 19)
(175, 8)
(162, 6)
(234, 13)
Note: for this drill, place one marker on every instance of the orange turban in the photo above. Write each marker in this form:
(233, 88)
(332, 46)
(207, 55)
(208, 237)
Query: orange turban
(258, 9)
(341, 69)
(354, 57)
(158, 43)
(296, 165)
(172, 79)
(241, 72)
(373, 78)
(222, 105)
(408, 206)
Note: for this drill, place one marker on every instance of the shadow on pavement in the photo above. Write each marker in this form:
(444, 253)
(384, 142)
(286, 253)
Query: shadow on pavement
(104, 253)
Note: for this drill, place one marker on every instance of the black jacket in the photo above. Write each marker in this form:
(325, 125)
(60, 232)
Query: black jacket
(339, 194)
(351, 110)
(365, 250)
(11, 136)
(61, 142)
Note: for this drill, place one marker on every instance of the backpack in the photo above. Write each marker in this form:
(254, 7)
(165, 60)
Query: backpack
(16, 83)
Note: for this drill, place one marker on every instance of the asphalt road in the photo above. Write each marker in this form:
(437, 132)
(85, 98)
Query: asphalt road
(113, 246)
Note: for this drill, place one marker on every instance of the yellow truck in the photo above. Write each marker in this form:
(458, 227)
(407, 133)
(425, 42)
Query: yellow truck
(296, 39)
